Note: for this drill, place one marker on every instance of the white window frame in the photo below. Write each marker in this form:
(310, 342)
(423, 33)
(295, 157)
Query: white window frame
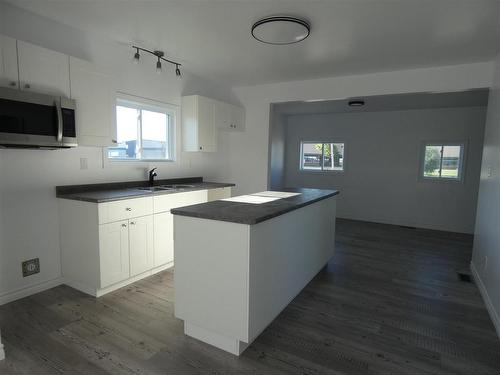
(461, 162)
(171, 110)
(301, 156)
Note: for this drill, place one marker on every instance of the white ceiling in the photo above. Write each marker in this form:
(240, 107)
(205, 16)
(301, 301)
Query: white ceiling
(212, 37)
(396, 102)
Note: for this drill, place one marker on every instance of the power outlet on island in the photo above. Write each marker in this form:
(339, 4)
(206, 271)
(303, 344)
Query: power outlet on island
(31, 267)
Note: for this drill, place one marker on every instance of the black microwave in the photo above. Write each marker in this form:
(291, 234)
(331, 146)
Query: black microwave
(31, 120)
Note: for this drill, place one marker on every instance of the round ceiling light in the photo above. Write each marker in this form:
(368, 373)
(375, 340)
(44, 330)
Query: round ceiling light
(280, 30)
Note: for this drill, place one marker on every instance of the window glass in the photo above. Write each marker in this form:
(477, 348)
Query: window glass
(432, 161)
(451, 161)
(143, 133)
(312, 156)
(154, 135)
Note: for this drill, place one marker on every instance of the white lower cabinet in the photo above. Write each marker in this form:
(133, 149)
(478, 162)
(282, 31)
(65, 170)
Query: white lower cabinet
(105, 246)
(114, 252)
(141, 244)
(164, 238)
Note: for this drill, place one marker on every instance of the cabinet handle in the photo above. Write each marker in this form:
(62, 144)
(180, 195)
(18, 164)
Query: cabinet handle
(114, 141)
(27, 86)
(128, 209)
(132, 223)
(124, 225)
(201, 148)
(13, 84)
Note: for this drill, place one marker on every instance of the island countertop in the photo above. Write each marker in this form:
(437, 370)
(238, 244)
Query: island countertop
(251, 213)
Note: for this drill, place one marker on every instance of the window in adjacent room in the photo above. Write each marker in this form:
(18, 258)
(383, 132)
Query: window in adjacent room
(316, 156)
(443, 161)
(144, 131)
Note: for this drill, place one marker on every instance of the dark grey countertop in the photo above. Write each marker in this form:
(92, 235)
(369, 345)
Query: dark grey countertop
(248, 213)
(109, 192)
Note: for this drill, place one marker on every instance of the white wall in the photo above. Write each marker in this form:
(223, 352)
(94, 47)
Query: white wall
(27, 178)
(277, 143)
(248, 151)
(486, 254)
(382, 161)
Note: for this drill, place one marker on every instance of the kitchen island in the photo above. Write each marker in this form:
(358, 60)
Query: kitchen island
(240, 261)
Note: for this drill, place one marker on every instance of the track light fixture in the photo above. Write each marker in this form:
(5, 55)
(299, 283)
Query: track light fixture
(160, 56)
(158, 66)
(137, 56)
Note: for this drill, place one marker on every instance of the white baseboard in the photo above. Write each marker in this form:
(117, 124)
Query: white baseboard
(101, 292)
(81, 287)
(33, 289)
(231, 345)
(486, 298)
(29, 290)
(405, 223)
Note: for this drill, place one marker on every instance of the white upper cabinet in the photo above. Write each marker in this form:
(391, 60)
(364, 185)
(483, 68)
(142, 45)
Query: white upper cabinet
(229, 117)
(202, 117)
(42, 70)
(198, 126)
(222, 115)
(237, 122)
(94, 93)
(9, 76)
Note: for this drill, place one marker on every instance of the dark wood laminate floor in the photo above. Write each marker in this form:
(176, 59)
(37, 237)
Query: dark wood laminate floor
(388, 303)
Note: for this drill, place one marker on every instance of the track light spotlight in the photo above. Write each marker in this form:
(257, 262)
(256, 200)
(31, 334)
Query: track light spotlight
(160, 56)
(137, 56)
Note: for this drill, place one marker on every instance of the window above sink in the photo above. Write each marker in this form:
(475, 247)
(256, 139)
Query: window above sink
(145, 131)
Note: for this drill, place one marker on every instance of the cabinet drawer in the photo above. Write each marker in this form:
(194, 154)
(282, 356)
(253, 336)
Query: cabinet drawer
(164, 203)
(125, 209)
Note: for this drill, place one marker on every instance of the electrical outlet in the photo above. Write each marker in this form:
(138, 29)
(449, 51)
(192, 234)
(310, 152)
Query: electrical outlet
(84, 163)
(489, 171)
(31, 267)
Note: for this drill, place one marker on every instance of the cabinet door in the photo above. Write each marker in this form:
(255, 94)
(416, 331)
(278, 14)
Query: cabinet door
(141, 244)
(43, 70)
(206, 126)
(114, 253)
(164, 238)
(95, 97)
(237, 118)
(8, 63)
(222, 115)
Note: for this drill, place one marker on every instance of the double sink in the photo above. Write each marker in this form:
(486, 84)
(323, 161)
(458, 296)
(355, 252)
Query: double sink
(164, 187)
